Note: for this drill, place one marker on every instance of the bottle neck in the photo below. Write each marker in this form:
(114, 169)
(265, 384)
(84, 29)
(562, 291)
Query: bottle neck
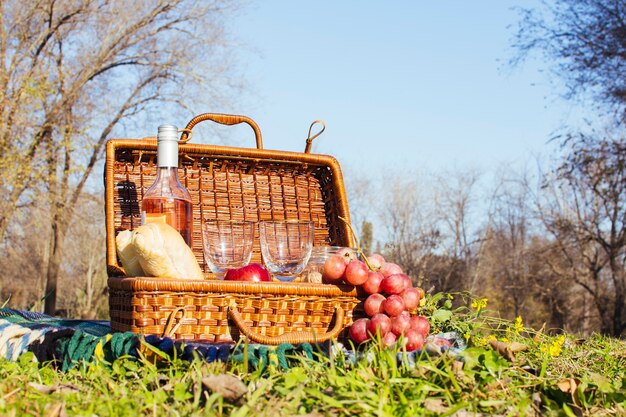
(167, 172)
(167, 154)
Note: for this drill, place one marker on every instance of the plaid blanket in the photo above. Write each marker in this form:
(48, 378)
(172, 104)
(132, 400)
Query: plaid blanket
(71, 342)
(54, 339)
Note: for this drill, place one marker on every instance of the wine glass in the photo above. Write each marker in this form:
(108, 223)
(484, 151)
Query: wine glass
(227, 244)
(286, 246)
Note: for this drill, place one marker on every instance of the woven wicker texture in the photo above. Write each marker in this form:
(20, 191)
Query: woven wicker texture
(270, 313)
(229, 183)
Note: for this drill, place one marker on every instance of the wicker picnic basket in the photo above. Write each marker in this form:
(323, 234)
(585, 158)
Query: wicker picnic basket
(230, 183)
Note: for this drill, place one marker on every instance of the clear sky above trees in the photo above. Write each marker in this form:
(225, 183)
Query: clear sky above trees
(400, 85)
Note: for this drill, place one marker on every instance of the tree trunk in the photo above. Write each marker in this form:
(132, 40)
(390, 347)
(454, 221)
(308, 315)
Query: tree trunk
(52, 272)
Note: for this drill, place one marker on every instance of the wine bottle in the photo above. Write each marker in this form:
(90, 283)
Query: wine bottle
(167, 200)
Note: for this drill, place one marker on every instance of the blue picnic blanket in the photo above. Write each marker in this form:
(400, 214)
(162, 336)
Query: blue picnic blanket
(68, 343)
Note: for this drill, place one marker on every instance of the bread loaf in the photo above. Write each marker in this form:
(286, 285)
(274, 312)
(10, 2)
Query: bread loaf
(162, 252)
(127, 254)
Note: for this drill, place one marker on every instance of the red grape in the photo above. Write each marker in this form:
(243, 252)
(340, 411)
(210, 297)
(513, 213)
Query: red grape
(411, 298)
(421, 325)
(400, 324)
(413, 340)
(389, 268)
(376, 261)
(379, 324)
(390, 339)
(393, 305)
(407, 281)
(374, 304)
(334, 268)
(356, 273)
(358, 331)
(372, 285)
(393, 284)
(347, 254)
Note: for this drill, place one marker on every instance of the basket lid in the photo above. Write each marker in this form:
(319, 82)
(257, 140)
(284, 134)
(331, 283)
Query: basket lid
(228, 183)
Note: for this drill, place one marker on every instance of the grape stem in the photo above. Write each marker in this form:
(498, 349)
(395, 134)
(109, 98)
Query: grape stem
(356, 241)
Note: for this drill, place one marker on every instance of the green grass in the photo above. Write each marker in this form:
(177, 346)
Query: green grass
(556, 375)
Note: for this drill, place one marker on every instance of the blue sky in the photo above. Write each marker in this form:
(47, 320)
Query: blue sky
(401, 85)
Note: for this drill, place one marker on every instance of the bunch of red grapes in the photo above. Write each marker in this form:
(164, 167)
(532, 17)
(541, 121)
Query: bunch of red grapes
(390, 303)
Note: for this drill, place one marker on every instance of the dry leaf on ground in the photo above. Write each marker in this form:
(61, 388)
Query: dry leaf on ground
(50, 389)
(230, 387)
(507, 349)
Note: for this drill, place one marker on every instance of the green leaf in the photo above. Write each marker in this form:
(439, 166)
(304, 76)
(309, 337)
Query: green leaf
(442, 315)
(568, 411)
(604, 384)
(295, 377)
(181, 392)
(494, 362)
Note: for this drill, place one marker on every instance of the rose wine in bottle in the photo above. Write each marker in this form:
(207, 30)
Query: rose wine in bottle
(167, 200)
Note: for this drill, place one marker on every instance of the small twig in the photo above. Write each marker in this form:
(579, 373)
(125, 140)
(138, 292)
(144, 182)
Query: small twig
(9, 394)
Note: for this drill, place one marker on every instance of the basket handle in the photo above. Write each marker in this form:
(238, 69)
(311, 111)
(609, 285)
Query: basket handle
(309, 140)
(291, 337)
(225, 119)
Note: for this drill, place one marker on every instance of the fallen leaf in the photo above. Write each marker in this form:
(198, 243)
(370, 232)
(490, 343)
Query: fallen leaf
(230, 387)
(537, 337)
(50, 389)
(435, 405)
(568, 385)
(314, 414)
(57, 410)
(465, 413)
(507, 350)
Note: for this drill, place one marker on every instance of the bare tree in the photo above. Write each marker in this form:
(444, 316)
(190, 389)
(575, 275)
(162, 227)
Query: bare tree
(83, 257)
(584, 41)
(75, 71)
(360, 190)
(455, 200)
(409, 221)
(584, 209)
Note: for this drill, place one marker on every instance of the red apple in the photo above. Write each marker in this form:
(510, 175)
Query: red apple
(250, 272)
(356, 273)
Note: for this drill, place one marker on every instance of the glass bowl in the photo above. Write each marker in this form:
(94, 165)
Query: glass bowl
(319, 254)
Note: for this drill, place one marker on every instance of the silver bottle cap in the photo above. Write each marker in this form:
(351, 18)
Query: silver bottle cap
(167, 146)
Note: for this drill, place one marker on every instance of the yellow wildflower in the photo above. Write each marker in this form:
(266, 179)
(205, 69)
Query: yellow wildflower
(479, 304)
(556, 346)
(518, 326)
